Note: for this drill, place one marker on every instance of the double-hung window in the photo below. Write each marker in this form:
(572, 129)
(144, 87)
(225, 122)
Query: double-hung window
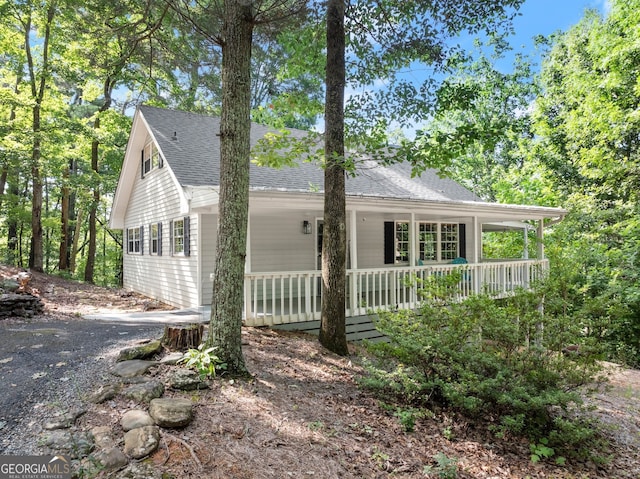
(402, 243)
(155, 239)
(434, 242)
(134, 240)
(151, 158)
(449, 241)
(179, 229)
(438, 241)
(428, 241)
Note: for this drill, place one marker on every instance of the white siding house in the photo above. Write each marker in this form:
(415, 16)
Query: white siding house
(166, 203)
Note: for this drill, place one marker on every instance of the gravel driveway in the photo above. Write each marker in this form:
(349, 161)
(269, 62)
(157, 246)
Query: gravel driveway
(47, 364)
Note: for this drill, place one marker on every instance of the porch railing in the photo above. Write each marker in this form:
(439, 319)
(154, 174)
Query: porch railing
(295, 296)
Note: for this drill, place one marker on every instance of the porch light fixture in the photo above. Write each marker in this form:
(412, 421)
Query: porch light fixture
(306, 227)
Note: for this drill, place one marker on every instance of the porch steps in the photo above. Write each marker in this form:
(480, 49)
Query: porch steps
(358, 328)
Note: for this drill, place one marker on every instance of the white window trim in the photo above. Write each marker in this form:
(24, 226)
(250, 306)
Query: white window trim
(175, 237)
(157, 239)
(439, 240)
(396, 242)
(133, 239)
(150, 157)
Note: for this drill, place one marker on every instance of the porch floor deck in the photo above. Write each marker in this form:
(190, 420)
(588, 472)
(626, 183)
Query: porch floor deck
(358, 328)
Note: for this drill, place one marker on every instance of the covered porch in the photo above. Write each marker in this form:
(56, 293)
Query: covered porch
(293, 297)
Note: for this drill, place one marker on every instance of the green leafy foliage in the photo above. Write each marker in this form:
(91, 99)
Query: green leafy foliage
(587, 126)
(446, 467)
(487, 358)
(204, 360)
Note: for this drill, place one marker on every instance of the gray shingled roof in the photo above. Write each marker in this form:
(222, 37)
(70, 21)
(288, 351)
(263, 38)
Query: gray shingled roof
(195, 160)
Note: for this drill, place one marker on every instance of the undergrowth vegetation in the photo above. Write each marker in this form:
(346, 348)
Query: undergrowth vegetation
(502, 361)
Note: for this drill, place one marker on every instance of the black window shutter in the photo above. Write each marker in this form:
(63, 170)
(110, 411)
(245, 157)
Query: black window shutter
(159, 239)
(126, 241)
(389, 242)
(142, 164)
(462, 240)
(187, 249)
(141, 239)
(171, 238)
(150, 238)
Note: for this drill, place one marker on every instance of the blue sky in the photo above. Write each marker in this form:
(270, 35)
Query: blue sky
(543, 17)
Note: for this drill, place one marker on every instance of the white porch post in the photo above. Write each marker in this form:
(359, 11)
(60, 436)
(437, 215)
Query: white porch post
(477, 240)
(247, 260)
(540, 237)
(248, 313)
(525, 253)
(477, 254)
(353, 238)
(413, 241)
(353, 252)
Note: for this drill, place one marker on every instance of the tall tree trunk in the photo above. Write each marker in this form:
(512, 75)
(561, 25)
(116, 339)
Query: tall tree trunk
(36, 254)
(3, 182)
(63, 256)
(89, 269)
(334, 246)
(235, 126)
(38, 88)
(12, 225)
(75, 242)
(93, 208)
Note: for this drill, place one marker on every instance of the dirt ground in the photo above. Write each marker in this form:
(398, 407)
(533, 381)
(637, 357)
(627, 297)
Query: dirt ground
(303, 415)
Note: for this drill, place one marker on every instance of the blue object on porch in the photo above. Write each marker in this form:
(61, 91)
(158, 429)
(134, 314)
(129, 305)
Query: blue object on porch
(459, 260)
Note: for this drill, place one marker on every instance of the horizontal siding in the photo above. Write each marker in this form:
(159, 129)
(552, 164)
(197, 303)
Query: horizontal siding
(370, 236)
(208, 235)
(171, 279)
(278, 244)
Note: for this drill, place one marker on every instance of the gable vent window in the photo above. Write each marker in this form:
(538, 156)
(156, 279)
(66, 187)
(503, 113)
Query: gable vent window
(151, 159)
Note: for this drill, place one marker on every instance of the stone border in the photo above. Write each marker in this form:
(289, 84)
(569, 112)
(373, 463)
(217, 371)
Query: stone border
(143, 427)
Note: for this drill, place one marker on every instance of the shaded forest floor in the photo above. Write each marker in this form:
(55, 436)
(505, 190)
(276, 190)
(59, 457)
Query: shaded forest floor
(304, 415)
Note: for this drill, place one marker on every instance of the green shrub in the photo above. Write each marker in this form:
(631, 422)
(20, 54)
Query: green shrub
(486, 358)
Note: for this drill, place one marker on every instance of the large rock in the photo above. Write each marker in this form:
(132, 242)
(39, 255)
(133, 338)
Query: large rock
(141, 442)
(171, 412)
(65, 420)
(75, 445)
(185, 380)
(144, 392)
(142, 351)
(103, 437)
(111, 459)
(171, 358)
(104, 393)
(134, 419)
(130, 369)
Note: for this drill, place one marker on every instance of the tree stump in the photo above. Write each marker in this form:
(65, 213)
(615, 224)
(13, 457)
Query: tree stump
(182, 337)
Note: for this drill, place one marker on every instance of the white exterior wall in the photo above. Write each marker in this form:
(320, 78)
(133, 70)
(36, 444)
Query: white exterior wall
(208, 236)
(371, 239)
(278, 244)
(171, 279)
